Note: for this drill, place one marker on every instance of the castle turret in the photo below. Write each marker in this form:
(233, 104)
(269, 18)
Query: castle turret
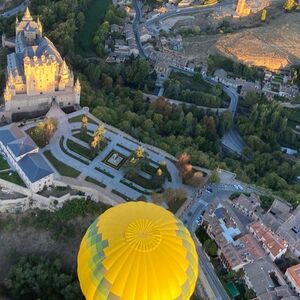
(40, 27)
(77, 91)
(7, 94)
(64, 75)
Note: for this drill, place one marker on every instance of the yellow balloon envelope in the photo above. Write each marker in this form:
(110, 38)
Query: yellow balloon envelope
(137, 251)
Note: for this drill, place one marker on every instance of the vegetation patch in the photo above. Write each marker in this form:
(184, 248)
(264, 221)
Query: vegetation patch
(3, 163)
(134, 187)
(175, 204)
(61, 144)
(94, 181)
(81, 150)
(120, 195)
(61, 168)
(92, 16)
(104, 172)
(13, 177)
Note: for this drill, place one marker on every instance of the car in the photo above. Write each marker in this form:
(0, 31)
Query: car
(178, 10)
(240, 187)
(210, 190)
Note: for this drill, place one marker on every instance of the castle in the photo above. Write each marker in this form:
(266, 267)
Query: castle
(246, 7)
(36, 74)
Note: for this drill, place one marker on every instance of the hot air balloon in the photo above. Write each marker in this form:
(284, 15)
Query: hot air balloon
(137, 251)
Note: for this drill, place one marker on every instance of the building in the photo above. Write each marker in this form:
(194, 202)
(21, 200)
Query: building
(266, 280)
(248, 205)
(246, 7)
(241, 252)
(278, 213)
(23, 155)
(272, 243)
(36, 74)
(290, 231)
(293, 277)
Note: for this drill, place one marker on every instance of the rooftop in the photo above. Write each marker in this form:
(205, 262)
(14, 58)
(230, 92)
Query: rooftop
(294, 272)
(272, 241)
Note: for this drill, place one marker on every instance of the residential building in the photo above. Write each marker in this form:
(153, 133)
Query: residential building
(278, 213)
(290, 231)
(293, 277)
(248, 205)
(267, 281)
(37, 74)
(23, 155)
(273, 244)
(239, 253)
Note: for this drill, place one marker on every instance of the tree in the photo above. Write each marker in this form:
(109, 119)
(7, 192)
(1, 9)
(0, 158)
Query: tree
(43, 132)
(41, 279)
(139, 152)
(289, 5)
(84, 124)
(184, 166)
(97, 138)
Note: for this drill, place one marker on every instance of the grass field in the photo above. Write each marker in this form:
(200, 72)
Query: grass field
(3, 164)
(12, 177)
(93, 15)
(61, 168)
(83, 151)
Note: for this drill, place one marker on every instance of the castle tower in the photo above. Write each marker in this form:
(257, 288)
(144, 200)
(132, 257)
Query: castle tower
(77, 91)
(242, 8)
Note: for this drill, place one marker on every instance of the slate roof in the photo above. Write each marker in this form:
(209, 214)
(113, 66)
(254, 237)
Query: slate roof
(35, 167)
(10, 133)
(22, 146)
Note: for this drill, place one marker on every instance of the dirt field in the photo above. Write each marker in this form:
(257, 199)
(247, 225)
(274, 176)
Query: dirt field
(272, 45)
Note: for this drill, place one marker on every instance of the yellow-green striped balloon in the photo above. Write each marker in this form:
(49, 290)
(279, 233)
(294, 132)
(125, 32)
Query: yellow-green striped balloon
(137, 251)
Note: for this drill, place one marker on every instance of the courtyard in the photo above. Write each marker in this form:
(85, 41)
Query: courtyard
(110, 168)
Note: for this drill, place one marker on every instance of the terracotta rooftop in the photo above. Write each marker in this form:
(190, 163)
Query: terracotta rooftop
(294, 272)
(272, 241)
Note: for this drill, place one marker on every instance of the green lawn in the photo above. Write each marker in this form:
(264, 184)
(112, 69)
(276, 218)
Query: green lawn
(94, 181)
(61, 144)
(14, 177)
(83, 151)
(61, 168)
(145, 183)
(93, 15)
(78, 119)
(3, 164)
(83, 137)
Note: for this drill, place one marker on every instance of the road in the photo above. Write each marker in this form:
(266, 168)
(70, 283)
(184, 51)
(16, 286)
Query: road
(183, 11)
(135, 26)
(12, 12)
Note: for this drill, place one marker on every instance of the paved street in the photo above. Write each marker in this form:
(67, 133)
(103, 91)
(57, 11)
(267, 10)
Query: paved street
(12, 12)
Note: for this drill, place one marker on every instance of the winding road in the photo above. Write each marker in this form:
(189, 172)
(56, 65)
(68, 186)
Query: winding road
(12, 12)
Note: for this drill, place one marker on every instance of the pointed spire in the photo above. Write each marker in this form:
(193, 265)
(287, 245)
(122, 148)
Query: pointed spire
(17, 20)
(77, 87)
(40, 27)
(7, 94)
(27, 15)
